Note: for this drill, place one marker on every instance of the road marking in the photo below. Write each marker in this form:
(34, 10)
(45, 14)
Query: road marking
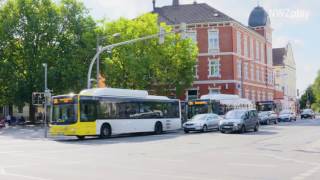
(253, 165)
(5, 173)
(307, 174)
(11, 152)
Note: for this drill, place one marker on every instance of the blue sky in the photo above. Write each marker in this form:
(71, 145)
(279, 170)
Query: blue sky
(297, 21)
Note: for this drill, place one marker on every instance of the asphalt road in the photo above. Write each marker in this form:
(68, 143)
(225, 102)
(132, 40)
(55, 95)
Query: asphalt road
(285, 151)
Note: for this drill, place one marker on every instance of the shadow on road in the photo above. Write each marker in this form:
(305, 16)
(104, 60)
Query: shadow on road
(126, 138)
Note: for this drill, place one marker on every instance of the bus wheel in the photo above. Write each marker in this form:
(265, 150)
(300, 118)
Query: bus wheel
(158, 128)
(81, 137)
(105, 131)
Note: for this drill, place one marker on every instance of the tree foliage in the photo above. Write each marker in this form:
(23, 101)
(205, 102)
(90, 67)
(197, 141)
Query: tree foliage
(33, 32)
(316, 92)
(307, 96)
(159, 68)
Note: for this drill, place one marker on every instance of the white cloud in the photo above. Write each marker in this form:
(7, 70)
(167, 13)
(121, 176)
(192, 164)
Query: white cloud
(282, 41)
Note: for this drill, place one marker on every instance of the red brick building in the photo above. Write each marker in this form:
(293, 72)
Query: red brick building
(233, 58)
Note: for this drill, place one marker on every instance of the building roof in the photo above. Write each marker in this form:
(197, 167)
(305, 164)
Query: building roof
(278, 56)
(259, 17)
(190, 13)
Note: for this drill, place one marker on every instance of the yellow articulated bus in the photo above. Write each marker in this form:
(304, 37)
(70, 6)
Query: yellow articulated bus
(105, 112)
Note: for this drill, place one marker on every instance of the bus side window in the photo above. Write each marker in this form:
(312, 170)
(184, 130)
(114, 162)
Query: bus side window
(88, 110)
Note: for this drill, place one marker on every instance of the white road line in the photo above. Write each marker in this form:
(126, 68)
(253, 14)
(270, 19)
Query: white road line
(3, 172)
(307, 174)
(253, 165)
(11, 152)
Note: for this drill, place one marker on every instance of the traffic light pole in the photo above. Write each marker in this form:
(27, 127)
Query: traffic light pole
(162, 34)
(45, 103)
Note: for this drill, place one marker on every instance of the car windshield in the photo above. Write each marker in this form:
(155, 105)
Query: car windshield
(285, 112)
(263, 113)
(199, 117)
(307, 111)
(235, 114)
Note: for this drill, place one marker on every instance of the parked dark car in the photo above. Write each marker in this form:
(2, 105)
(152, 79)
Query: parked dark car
(268, 117)
(308, 113)
(240, 121)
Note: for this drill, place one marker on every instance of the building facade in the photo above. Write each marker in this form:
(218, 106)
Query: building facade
(233, 58)
(285, 76)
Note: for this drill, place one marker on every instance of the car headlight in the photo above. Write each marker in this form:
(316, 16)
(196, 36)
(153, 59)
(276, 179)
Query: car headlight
(236, 124)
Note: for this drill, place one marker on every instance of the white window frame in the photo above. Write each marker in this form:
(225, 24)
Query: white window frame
(252, 71)
(196, 69)
(269, 56)
(262, 53)
(211, 61)
(258, 74)
(215, 89)
(253, 95)
(257, 50)
(239, 48)
(216, 46)
(262, 75)
(247, 93)
(193, 89)
(251, 48)
(193, 36)
(246, 71)
(239, 73)
(245, 42)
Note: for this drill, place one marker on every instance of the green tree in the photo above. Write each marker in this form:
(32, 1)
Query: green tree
(33, 32)
(159, 68)
(307, 96)
(316, 92)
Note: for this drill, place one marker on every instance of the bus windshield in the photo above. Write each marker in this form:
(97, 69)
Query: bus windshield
(198, 109)
(64, 114)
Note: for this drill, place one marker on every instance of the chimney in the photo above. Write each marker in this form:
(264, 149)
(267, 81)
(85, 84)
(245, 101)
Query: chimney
(154, 4)
(175, 3)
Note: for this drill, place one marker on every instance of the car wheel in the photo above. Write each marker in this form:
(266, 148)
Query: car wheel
(158, 128)
(204, 128)
(256, 128)
(275, 121)
(105, 131)
(186, 131)
(222, 131)
(243, 129)
(81, 137)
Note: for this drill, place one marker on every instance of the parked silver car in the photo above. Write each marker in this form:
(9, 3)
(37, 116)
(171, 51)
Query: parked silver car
(202, 122)
(240, 121)
(287, 116)
(268, 117)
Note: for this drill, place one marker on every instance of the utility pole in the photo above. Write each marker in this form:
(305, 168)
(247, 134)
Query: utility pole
(45, 103)
(47, 96)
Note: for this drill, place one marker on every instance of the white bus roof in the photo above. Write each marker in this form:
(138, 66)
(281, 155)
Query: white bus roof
(227, 99)
(120, 93)
(114, 92)
(220, 97)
